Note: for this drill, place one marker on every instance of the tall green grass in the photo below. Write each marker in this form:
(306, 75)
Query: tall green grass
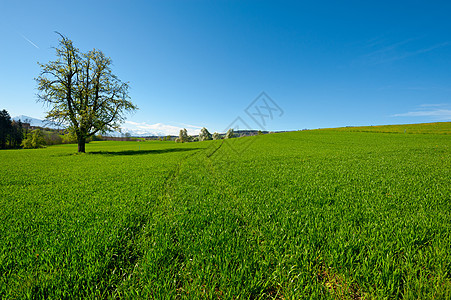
(300, 215)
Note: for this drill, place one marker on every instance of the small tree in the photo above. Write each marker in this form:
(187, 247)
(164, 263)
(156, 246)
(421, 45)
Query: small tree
(204, 134)
(216, 136)
(83, 92)
(229, 134)
(183, 136)
(52, 138)
(35, 139)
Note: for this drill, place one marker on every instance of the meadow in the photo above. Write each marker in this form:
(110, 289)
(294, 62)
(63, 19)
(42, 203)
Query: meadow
(320, 214)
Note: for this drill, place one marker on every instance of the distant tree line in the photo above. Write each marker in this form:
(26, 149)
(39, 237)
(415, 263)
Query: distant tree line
(11, 132)
(204, 135)
(18, 134)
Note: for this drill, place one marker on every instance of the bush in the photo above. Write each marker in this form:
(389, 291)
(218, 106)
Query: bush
(183, 136)
(216, 136)
(97, 137)
(229, 134)
(204, 135)
(69, 138)
(52, 138)
(35, 139)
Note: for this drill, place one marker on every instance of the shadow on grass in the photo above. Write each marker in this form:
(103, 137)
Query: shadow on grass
(142, 152)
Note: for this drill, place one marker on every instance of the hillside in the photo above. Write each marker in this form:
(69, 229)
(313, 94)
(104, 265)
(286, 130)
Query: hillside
(321, 214)
(436, 127)
(36, 122)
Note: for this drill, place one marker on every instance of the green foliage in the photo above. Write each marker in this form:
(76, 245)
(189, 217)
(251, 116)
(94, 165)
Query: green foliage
(5, 128)
(11, 132)
(183, 136)
(299, 215)
(69, 137)
(97, 137)
(52, 138)
(16, 134)
(204, 135)
(229, 134)
(216, 136)
(35, 139)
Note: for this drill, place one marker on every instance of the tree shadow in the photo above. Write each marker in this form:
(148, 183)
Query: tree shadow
(141, 152)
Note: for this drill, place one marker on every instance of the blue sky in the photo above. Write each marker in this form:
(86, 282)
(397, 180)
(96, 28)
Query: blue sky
(202, 63)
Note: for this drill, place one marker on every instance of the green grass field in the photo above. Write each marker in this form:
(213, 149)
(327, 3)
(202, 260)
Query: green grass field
(423, 128)
(321, 214)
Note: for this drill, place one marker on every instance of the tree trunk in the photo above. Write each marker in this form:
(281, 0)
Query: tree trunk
(81, 144)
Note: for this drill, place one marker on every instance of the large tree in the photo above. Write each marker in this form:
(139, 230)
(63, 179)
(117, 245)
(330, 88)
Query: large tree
(82, 92)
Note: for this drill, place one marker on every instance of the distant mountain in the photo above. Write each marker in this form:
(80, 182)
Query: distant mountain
(45, 124)
(36, 122)
(136, 133)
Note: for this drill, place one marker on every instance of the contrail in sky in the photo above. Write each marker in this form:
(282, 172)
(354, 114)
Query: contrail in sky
(29, 41)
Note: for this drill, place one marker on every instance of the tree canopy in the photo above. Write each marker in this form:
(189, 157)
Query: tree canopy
(82, 92)
(230, 134)
(11, 132)
(204, 134)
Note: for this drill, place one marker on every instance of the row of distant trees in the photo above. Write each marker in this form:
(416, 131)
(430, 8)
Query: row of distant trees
(11, 132)
(18, 134)
(204, 135)
(13, 135)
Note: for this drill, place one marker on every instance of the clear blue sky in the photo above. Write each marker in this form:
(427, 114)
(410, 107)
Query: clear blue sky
(201, 63)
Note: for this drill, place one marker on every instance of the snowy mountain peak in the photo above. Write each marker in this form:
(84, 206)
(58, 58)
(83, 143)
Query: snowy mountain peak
(35, 121)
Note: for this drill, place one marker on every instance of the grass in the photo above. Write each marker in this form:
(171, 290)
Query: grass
(422, 128)
(299, 215)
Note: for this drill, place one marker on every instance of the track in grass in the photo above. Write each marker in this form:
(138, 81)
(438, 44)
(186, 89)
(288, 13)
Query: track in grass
(312, 214)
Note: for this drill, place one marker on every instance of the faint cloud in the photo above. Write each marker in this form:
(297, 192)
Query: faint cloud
(28, 40)
(375, 42)
(433, 105)
(420, 51)
(417, 88)
(438, 112)
(395, 51)
(388, 48)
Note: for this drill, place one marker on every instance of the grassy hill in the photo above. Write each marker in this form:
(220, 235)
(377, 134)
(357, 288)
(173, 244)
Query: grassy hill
(422, 128)
(314, 214)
